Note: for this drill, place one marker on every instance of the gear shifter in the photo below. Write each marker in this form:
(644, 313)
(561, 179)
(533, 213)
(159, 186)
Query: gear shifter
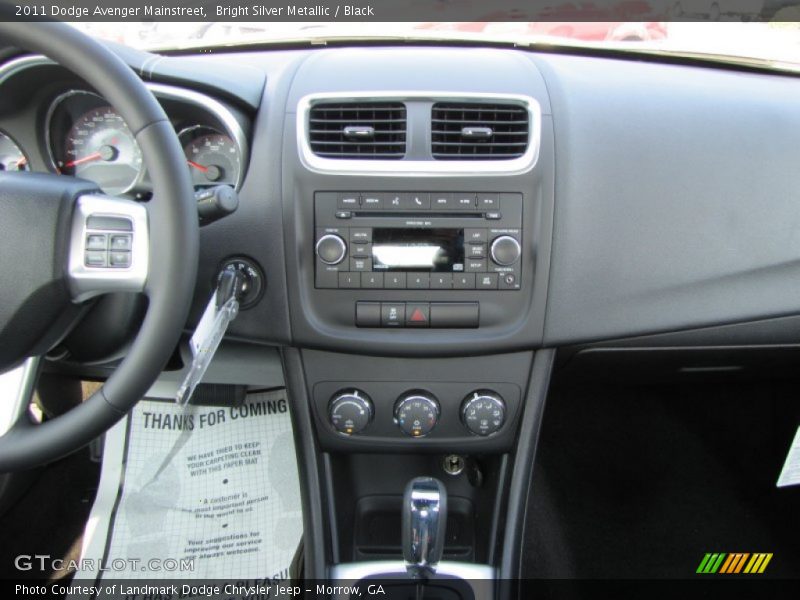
(424, 520)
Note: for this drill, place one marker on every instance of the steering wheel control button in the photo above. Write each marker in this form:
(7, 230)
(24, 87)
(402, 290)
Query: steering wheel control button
(96, 241)
(121, 242)
(416, 413)
(483, 412)
(331, 249)
(393, 314)
(119, 260)
(350, 411)
(505, 250)
(418, 314)
(109, 223)
(368, 314)
(95, 259)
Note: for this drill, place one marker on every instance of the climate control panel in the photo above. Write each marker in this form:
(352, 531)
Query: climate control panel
(434, 414)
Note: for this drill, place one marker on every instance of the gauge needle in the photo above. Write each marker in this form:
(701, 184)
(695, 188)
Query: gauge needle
(197, 166)
(85, 159)
(107, 153)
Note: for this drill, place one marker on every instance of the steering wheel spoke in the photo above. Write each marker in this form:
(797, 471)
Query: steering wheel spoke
(17, 386)
(109, 249)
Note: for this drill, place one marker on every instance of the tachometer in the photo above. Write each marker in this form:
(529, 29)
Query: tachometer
(101, 148)
(12, 158)
(213, 157)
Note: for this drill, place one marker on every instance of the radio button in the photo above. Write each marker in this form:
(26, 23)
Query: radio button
(393, 314)
(393, 201)
(505, 250)
(394, 281)
(488, 201)
(476, 266)
(372, 281)
(442, 201)
(464, 281)
(464, 201)
(348, 201)
(486, 281)
(475, 236)
(441, 281)
(476, 251)
(349, 281)
(331, 249)
(416, 201)
(361, 264)
(419, 281)
(360, 234)
(360, 250)
(373, 202)
(493, 215)
(344, 214)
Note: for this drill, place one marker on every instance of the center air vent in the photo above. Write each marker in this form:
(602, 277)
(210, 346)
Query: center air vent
(363, 130)
(478, 131)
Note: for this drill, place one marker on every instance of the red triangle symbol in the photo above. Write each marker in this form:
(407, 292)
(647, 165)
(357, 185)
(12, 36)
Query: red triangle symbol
(417, 315)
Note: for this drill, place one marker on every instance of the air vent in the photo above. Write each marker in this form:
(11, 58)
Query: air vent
(363, 130)
(478, 131)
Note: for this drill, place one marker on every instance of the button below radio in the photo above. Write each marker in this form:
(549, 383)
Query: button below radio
(393, 314)
(368, 314)
(418, 314)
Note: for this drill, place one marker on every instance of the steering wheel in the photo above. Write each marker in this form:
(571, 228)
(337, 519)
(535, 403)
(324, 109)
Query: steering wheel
(47, 271)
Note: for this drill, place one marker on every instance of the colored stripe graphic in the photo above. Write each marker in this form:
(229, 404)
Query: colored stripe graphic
(711, 562)
(734, 563)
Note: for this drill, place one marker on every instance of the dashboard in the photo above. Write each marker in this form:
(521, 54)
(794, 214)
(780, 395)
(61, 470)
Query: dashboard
(626, 191)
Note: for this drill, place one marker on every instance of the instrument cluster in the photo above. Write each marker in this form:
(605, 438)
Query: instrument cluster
(87, 138)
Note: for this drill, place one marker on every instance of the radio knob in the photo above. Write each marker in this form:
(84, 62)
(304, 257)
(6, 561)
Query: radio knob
(331, 249)
(483, 412)
(350, 411)
(505, 250)
(416, 413)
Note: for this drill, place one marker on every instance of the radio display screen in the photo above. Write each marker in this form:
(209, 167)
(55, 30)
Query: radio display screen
(434, 250)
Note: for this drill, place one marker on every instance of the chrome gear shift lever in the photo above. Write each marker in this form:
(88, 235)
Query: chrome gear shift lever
(424, 521)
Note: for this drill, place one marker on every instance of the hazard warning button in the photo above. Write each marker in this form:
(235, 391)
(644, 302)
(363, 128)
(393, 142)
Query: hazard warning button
(418, 314)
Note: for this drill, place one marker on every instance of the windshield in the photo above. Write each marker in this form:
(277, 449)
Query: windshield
(775, 43)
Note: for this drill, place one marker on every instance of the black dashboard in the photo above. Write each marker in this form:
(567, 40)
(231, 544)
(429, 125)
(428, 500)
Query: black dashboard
(641, 198)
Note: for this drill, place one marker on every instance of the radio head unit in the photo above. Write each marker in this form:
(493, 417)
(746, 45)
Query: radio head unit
(418, 240)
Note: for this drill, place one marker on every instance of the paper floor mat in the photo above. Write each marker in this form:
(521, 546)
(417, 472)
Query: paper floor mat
(217, 487)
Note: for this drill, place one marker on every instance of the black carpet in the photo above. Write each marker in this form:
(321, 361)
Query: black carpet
(642, 481)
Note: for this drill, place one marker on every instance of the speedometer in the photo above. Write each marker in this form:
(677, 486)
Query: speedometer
(101, 148)
(87, 138)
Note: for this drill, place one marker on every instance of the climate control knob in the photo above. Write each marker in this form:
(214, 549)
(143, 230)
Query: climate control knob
(350, 411)
(505, 250)
(331, 249)
(483, 412)
(416, 413)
